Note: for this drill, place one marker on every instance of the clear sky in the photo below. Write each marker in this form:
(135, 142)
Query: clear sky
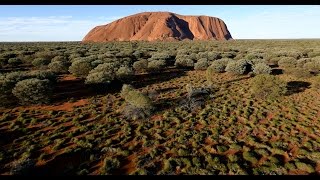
(72, 23)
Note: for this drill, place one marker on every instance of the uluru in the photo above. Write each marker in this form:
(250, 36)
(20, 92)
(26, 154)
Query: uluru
(160, 26)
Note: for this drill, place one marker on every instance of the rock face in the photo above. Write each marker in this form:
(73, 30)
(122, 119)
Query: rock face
(163, 26)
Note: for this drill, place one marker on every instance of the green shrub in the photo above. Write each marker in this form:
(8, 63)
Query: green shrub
(40, 62)
(267, 86)
(238, 67)
(156, 65)
(102, 74)
(59, 58)
(298, 72)
(58, 67)
(14, 61)
(141, 65)
(80, 68)
(184, 63)
(33, 91)
(287, 62)
(138, 105)
(201, 64)
(96, 63)
(261, 68)
(43, 74)
(219, 66)
(124, 73)
(313, 66)
(110, 164)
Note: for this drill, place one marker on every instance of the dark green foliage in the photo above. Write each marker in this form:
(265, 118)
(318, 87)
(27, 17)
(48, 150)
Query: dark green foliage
(33, 91)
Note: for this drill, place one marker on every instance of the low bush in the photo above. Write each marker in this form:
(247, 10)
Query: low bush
(80, 68)
(201, 64)
(268, 86)
(58, 67)
(33, 91)
(38, 62)
(238, 67)
(261, 68)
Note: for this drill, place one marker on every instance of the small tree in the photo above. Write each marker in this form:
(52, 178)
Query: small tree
(33, 91)
(267, 86)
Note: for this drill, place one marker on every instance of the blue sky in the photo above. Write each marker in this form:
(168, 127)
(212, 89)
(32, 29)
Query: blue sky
(73, 22)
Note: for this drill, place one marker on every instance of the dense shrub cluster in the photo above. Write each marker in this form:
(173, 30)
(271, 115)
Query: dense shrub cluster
(156, 65)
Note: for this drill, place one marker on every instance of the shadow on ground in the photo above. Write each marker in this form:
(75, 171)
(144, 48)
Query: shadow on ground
(297, 87)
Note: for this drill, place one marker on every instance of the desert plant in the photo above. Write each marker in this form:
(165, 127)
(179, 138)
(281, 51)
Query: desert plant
(58, 67)
(156, 65)
(124, 73)
(38, 62)
(33, 91)
(140, 65)
(110, 164)
(267, 86)
(287, 62)
(219, 66)
(137, 103)
(102, 74)
(184, 63)
(201, 64)
(238, 67)
(261, 68)
(313, 66)
(14, 61)
(80, 68)
(298, 72)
